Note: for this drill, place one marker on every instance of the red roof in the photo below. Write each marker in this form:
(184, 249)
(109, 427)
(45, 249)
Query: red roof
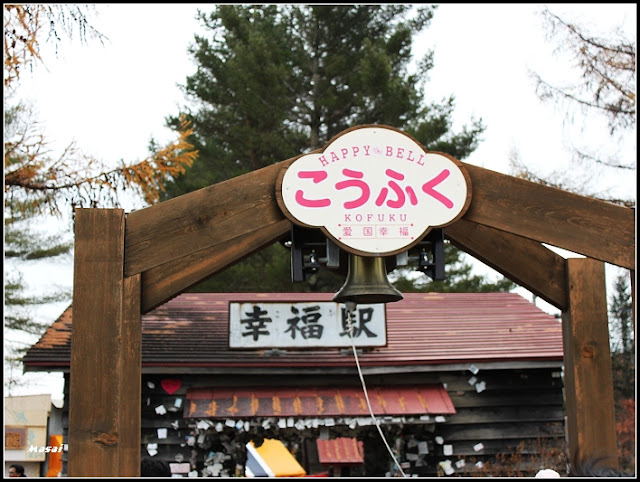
(192, 330)
(340, 451)
(317, 402)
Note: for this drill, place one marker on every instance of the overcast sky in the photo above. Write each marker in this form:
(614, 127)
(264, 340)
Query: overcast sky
(112, 99)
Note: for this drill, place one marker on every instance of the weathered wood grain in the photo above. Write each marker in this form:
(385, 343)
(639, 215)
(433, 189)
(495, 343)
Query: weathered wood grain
(524, 261)
(201, 219)
(231, 209)
(95, 441)
(531, 413)
(593, 228)
(519, 430)
(163, 282)
(591, 424)
(130, 379)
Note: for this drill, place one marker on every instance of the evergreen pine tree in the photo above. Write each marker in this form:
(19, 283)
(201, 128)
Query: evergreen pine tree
(621, 329)
(276, 81)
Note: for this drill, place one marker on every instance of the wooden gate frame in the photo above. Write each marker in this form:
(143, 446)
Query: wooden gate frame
(126, 265)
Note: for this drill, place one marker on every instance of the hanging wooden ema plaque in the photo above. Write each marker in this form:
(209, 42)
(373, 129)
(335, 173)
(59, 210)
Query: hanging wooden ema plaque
(374, 190)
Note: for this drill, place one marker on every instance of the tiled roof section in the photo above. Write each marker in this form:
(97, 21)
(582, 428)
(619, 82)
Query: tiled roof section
(424, 328)
(317, 401)
(55, 344)
(341, 450)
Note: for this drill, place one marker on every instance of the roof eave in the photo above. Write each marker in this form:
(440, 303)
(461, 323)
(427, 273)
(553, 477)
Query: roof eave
(346, 368)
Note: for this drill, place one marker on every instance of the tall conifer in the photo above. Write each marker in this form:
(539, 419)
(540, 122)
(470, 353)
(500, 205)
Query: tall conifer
(276, 81)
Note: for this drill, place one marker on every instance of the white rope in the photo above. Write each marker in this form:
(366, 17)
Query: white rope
(351, 307)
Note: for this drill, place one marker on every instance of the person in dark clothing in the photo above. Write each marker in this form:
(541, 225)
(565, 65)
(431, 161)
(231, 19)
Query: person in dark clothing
(16, 470)
(150, 467)
(595, 468)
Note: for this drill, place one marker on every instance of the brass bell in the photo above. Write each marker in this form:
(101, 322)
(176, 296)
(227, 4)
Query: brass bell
(367, 282)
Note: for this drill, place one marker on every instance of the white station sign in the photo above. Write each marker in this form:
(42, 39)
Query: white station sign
(374, 190)
(305, 325)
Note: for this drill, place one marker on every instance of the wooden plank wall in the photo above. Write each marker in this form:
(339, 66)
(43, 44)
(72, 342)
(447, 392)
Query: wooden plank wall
(518, 417)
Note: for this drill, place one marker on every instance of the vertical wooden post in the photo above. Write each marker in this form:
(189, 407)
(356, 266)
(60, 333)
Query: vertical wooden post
(104, 387)
(632, 274)
(130, 415)
(587, 364)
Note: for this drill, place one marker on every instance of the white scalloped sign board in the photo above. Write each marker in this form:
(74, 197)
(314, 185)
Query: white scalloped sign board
(374, 190)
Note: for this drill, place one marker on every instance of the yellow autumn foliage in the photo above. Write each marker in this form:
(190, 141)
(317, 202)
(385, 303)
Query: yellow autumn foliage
(35, 180)
(21, 26)
(151, 174)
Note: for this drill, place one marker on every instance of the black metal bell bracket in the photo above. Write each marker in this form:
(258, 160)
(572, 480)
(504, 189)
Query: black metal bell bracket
(434, 268)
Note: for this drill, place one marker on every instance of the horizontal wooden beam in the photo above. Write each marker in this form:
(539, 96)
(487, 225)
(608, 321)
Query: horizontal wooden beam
(168, 236)
(593, 228)
(201, 219)
(522, 260)
(161, 283)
